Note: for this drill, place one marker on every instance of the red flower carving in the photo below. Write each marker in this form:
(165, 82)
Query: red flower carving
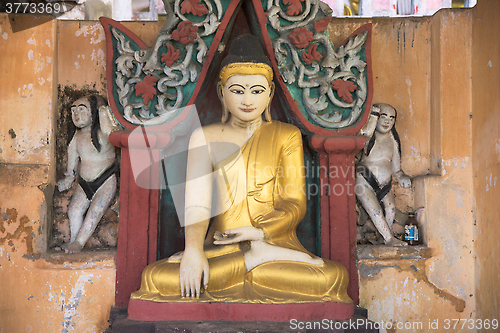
(344, 89)
(194, 7)
(321, 25)
(312, 54)
(171, 56)
(185, 32)
(295, 6)
(300, 37)
(146, 88)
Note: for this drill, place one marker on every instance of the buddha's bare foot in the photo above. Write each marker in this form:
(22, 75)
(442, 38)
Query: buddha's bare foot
(74, 247)
(395, 242)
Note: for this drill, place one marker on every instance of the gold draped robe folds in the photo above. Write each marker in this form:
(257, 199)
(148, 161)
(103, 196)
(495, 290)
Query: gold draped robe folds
(275, 201)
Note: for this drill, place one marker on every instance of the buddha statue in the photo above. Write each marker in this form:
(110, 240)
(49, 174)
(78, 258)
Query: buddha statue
(250, 252)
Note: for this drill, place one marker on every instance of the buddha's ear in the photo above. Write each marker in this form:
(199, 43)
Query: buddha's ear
(271, 93)
(219, 90)
(267, 112)
(225, 113)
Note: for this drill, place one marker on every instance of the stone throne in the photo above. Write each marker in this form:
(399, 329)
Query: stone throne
(323, 90)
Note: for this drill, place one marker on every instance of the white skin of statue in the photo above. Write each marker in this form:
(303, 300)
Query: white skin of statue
(245, 97)
(92, 164)
(383, 161)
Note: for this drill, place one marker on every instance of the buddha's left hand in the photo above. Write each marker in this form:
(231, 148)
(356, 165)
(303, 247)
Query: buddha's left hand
(237, 235)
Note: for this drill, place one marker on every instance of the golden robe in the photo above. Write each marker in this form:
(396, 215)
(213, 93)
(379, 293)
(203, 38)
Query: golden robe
(275, 201)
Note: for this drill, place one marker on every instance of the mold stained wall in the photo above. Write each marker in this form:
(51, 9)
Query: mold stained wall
(486, 154)
(40, 58)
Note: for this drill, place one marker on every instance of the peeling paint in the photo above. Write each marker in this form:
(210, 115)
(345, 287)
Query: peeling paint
(410, 108)
(95, 29)
(11, 230)
(70, 307)
(370, 271)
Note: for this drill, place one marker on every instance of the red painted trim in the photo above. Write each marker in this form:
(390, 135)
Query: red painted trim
(138, 226)
(152, 311)
(121, 298)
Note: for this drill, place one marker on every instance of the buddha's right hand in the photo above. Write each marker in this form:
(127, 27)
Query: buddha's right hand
(194, 264)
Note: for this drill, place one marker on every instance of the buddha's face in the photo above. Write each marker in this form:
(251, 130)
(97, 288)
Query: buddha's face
(80, 113)
(386, 120)
(246, 96)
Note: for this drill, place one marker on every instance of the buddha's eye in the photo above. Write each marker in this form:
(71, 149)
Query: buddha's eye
(237, 91)
(257, 91)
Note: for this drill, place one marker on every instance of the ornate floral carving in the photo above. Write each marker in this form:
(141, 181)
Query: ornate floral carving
(332, 83)
(344, 89)
(321, 25)
(294, 6)
(150, 83)
(147, 88)
(194, 7)
(171, 56)
(185, 33)
(312, 54)
(301, 37)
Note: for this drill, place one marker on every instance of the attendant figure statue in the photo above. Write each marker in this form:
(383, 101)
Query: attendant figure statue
(89, 147)
(250, 252)
(381, 159)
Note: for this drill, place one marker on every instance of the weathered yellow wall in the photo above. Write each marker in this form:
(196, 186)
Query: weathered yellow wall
(42, 292)
(486, 154)
(38, 293)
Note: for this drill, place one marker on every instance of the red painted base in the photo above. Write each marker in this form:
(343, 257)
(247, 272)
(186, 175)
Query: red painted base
(153, 311)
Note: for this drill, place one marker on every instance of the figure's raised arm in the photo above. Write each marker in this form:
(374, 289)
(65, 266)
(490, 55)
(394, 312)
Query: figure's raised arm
(371, 123)
(107, 123)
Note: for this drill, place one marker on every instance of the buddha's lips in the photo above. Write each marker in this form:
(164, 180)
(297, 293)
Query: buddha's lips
(247, 110)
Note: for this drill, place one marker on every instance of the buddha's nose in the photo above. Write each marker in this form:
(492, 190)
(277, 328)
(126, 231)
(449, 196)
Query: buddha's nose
(247, 100)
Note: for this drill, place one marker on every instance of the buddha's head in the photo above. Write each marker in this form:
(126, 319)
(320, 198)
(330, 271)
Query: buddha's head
(246, 85)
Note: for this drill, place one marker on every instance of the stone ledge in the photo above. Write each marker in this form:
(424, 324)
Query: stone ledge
(87, 259)
(381, 252)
